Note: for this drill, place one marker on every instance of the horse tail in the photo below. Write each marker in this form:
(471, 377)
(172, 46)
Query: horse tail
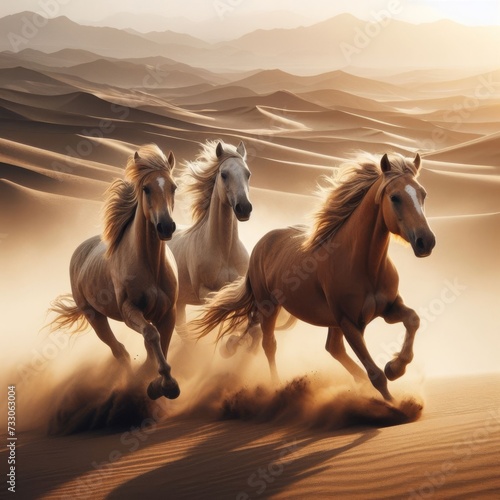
(69, 316)
(230, 308)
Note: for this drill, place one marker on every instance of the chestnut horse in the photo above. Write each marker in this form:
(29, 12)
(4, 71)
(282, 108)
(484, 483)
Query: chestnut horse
(125, 274)
(338, 275)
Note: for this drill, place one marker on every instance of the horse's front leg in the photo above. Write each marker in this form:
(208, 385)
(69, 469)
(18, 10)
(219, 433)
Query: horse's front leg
(397, 313)
(354, 337)
(133, 317)
(335, 346)
(166, 385)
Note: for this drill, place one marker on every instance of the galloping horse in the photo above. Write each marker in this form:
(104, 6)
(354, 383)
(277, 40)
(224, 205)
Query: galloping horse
(125, 275)
(338, 275)
(209, 254)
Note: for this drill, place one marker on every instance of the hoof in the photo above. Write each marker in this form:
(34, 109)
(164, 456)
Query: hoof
(158, 388)
(388, 397)
(154, 389)
(170, 389)
(229, 349)
(393, 373)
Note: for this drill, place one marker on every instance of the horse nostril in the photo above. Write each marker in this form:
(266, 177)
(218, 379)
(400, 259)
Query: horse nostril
(245, 209)
(166, 229)
(420, 243)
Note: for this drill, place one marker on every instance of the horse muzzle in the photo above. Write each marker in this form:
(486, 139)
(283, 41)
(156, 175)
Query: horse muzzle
(165, 230)
(423, 243)
(243, 210)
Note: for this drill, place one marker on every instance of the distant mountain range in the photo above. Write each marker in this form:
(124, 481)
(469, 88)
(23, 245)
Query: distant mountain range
(227, 24)
(341, 42)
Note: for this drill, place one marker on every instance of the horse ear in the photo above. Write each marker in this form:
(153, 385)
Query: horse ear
(417, 161)
(385, 164)
(219, 150)
(241, 150)
(136, 156)
(171, 160)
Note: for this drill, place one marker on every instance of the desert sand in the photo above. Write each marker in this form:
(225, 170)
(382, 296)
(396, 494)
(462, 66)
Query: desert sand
(451, 452)
(71, 114)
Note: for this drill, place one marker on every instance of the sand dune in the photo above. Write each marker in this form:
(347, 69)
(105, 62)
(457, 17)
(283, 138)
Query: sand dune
(339, 99)
(275, 80)
(481, 151)
(59, 58)
(482, 84)
(281, 100)
(128, 74)
(215, 95)
(29, 81)
(78, 100)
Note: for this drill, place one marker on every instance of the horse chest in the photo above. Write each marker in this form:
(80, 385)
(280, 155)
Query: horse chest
(153, 302)
(373, 306)
(370, 298)
(363, 305)
(217, 274)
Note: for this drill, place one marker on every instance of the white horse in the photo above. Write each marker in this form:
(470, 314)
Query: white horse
(209, 253)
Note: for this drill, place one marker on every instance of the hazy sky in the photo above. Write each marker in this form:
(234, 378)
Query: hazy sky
(471, 12)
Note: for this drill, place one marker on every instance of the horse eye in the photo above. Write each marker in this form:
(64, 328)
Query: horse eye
(223, 175)
(395, 198)
(146, 190)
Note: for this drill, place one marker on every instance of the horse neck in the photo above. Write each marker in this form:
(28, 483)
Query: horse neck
(149, 248)
(221, 226)
(368, 235)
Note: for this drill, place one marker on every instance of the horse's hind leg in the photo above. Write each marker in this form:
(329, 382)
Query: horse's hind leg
(254, 330)
(251, 337)
(180, 322)
(335, 346)
(269, 342)
(101, 326)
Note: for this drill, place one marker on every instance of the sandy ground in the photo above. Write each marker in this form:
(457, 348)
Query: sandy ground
(70, 119)
(450, 452)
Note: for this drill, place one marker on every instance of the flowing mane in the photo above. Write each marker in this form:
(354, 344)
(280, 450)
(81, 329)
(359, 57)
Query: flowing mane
(198, 178)
(121, 198)
(345, 190)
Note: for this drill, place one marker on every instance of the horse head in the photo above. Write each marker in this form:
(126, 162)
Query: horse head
(158, 189)
(232, 180)
(402, 202)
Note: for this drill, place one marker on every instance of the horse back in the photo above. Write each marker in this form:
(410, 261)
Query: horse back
(81, 254)
(275, 254)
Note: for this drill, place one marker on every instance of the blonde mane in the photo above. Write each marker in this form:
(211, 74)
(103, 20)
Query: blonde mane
(345, 190)
(121, 198)
(198, 177)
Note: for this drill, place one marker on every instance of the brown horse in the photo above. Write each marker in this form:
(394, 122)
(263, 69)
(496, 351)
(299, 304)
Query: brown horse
(338, 275)
(125, 275)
